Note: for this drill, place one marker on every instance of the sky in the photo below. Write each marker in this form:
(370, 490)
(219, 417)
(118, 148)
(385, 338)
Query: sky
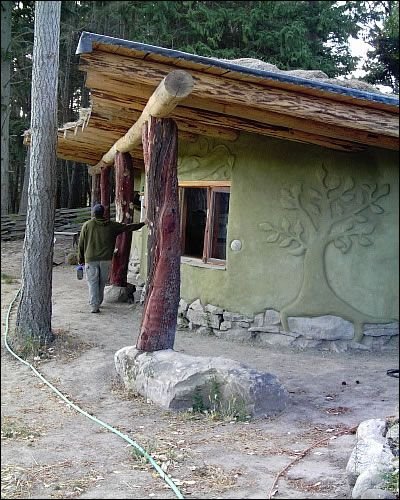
(360, 48)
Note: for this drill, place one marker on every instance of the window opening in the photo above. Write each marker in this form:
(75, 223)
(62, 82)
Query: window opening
(204, 222)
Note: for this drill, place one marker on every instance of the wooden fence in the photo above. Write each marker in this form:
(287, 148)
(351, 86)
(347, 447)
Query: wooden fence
(71, 220)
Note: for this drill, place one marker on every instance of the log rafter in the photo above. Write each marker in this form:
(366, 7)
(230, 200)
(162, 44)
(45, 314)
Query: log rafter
(236, 117)
(248, 95)
(214, 125)
(175, 86)
(218, 106)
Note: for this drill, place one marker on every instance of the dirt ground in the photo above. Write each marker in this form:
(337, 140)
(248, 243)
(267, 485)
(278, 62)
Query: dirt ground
(49, 450)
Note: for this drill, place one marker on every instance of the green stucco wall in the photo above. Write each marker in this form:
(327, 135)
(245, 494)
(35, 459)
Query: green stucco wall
(358, 280)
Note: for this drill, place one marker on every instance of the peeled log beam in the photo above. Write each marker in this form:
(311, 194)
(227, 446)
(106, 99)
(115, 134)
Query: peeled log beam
(124, 176)
(213, 90)
(174, 87)
(228, 106)
(160, 144)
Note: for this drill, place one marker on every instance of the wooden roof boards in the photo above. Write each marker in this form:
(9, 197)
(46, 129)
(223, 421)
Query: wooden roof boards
(226, 100)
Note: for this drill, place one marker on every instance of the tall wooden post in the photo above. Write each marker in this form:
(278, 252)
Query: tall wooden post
(160, 140)
(124, 177)
(105, 190)
(95, 191)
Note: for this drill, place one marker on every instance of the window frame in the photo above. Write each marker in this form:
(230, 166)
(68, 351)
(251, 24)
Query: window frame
(212, 188)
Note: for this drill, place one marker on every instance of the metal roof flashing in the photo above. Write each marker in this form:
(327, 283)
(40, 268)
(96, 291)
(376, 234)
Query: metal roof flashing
(87, 39)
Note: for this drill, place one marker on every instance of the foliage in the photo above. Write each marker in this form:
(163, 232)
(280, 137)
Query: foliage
(27, 347)
(215, 407)
(315, 37)
(382, 65)
(6, 278)
(391, 480)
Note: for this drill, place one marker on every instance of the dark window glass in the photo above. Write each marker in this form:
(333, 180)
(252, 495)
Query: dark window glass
(219, 225)
(204, 222)
(195, 223)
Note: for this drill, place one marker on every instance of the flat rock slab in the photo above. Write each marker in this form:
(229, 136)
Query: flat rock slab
(181, 382)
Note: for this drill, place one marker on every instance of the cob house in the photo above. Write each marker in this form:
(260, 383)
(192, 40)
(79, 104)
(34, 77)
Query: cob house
(285, 230)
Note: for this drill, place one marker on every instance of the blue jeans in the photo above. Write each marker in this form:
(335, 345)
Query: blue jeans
(97, 277)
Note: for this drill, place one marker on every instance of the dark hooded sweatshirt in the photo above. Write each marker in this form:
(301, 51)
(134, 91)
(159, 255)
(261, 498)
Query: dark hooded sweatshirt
(97, 239)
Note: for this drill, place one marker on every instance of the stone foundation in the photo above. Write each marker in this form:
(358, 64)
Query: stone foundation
(326, 332)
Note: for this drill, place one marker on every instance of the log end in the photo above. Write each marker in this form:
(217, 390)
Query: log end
(179, 83)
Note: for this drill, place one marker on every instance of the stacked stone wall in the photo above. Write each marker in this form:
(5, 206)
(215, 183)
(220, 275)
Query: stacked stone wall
(327, 332)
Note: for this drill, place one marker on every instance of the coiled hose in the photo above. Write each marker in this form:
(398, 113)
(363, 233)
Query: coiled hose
(143, 452)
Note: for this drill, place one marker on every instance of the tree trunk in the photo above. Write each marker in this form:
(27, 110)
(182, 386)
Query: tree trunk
(124, 177)
(105, 190)
(75, 190)
(23, 204)
(64, 182)
(95, 192)
(35, 308)
(5, 102)
(163, 282)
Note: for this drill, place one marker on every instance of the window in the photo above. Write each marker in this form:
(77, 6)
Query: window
(204, 221)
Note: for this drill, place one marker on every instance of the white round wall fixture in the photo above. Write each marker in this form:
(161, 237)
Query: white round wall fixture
(236, 245)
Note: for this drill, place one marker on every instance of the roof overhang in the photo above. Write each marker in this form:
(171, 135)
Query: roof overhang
(227, 99)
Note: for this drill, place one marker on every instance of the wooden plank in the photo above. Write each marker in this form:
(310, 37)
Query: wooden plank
(250, 95)
(192, 124)
(230, 111)
(241, 75)
(205, 183)
(215, 125)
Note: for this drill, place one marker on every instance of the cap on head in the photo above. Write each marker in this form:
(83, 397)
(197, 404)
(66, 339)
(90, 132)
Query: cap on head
(98, 210)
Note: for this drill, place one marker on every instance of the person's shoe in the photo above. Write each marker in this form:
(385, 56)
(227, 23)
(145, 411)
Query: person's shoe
(97, 310)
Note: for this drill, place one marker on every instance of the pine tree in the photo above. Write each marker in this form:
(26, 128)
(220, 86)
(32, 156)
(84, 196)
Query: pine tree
(5, 102)
(35, 308)
(382, 65)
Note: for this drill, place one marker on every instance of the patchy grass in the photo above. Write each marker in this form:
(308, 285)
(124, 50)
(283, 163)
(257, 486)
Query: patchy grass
(317, 487)
(216, 408)
(150, 446)
(118, 388)
(215, 478)
(7, 279)
(28, 348)
(11, 428)
(64, 347)
(46, 481)
(392, 479)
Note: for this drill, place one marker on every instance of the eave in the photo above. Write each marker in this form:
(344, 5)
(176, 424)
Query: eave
(226, 101)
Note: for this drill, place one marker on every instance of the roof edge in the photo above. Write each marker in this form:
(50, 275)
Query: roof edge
(86, 40)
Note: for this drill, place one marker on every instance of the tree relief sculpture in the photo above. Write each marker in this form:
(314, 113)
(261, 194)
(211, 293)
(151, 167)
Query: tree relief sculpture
(338, 213)
(211, 163)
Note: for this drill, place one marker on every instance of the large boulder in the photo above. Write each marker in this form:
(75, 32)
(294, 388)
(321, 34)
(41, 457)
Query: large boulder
(178, 381)
(114, 294)
(371, 458)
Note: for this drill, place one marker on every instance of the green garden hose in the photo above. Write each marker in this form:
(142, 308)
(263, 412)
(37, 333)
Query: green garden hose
(143, 452)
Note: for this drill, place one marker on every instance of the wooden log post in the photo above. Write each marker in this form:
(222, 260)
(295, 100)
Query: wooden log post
(95, 190)
(157, 332)
(124, 194)
(105, 190)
